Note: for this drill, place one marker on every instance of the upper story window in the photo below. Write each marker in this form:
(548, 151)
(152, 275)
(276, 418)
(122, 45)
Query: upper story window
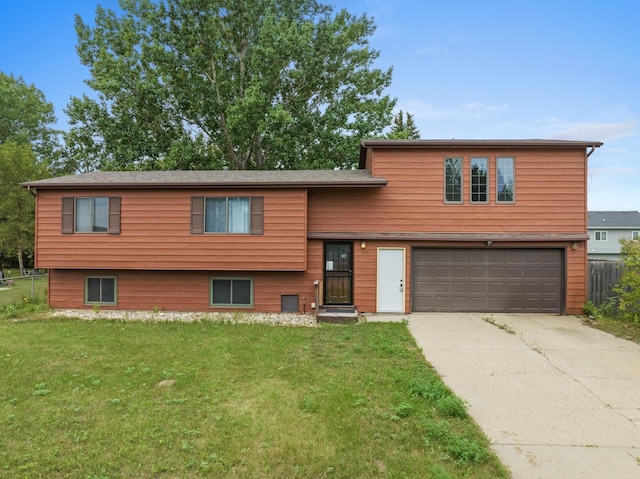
(453, 180)
(600, 235)
(479, 180)
(505, 184)
(93, 214)
(227, 214)
(635, 235)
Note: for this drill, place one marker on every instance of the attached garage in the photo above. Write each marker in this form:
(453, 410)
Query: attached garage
(487, 279)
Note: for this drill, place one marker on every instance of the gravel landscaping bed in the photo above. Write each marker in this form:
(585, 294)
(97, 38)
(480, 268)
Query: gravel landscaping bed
(274, 319)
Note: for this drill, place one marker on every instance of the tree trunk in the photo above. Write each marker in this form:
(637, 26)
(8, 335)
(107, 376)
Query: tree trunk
(20, 262)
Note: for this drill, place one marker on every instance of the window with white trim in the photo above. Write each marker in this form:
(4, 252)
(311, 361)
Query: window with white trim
(600, 235)
(232, 292)
(635, 235)
(453, 180)
(479, 180)
(100, 290)
(505, 180)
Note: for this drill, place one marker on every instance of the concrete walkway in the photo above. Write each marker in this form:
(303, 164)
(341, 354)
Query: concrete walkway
(556, 398)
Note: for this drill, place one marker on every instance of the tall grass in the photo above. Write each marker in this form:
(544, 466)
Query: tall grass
(25, 296)
(110, 399)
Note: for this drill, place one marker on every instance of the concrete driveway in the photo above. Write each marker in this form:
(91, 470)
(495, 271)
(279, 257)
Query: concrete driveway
(556, 398)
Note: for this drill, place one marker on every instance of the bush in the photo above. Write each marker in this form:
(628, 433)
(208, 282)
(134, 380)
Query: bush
(590, 309)
(628, 288)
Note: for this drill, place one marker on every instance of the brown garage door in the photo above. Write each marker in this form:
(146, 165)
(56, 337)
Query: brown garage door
(492, 280)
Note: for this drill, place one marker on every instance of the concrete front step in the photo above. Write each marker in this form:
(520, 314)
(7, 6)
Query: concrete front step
(338, 314)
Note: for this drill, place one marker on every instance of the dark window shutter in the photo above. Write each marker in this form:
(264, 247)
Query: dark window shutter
(67, 215)
(114, 215)
(257, 215)
(197, 214)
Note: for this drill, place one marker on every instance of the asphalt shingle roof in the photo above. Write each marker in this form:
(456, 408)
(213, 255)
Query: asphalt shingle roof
(614, 220)
(213, 178)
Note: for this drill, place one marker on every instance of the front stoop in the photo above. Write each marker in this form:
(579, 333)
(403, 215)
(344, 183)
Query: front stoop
(338, 314)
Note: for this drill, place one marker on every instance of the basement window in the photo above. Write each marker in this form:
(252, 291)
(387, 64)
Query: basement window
(232, 292)
(100, 290)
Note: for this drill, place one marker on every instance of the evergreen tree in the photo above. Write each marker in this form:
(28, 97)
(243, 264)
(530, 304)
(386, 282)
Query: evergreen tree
(403, 129)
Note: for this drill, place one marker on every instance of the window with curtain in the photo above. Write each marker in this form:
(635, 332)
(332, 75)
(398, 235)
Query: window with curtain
(227, 215)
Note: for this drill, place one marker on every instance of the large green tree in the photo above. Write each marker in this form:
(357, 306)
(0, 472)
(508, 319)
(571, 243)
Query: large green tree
(18, 163)
(256, 84)
(26, 117)
(29, 150)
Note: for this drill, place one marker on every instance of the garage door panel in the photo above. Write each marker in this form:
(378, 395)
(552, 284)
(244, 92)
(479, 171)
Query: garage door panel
(514, 288)
(492, 280)
(477, 287)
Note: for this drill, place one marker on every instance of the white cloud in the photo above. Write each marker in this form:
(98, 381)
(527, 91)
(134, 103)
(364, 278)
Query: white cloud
(595, 131)
(475, 109)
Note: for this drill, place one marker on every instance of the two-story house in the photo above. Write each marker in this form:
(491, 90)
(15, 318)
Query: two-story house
(422, 225)
(607, 228)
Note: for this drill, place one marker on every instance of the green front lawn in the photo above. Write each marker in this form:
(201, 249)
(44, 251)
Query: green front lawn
(105, 399)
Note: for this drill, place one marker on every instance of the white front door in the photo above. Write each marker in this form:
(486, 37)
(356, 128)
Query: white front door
(390, 288)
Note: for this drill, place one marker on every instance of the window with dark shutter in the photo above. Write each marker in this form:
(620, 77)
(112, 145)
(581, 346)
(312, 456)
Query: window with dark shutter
(67, 215)
(197, 214)
(91, 215)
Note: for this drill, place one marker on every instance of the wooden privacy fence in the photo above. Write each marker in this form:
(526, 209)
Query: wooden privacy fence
(603, 275)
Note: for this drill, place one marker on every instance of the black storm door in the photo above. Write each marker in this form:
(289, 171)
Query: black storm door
(338, 269)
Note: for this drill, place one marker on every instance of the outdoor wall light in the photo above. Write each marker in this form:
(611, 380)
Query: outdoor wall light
(489, 243)
(574, 245)
(363, 244)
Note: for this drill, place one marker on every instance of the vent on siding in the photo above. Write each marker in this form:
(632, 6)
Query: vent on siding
(289, 303)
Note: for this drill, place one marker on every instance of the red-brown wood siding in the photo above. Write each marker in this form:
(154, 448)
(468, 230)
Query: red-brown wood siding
(550, 191)
(550, 196)
(365, 269)
(155, 234)
(179, 290)
(189, 290)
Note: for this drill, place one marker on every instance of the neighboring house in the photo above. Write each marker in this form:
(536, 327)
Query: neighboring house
(422, 225)
(606, 228)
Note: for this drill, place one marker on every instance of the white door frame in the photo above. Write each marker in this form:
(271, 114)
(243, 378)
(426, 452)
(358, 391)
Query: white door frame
(386, 285)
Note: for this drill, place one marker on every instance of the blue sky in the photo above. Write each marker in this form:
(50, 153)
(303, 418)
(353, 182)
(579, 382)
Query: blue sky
(491, 69)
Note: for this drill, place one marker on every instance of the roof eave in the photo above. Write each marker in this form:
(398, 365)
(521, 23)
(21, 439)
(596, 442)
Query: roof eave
(450, 237)
(427, 144)
(373, 183)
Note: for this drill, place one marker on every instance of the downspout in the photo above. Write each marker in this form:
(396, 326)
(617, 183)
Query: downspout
(30, 192)
(589, 153)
